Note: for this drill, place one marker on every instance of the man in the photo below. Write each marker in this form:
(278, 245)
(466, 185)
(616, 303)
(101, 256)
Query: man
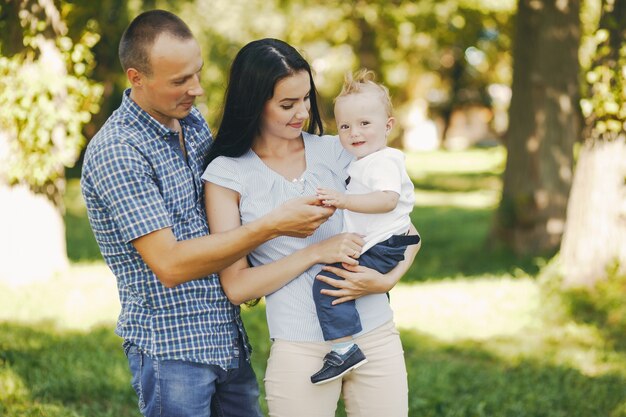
(184, 340)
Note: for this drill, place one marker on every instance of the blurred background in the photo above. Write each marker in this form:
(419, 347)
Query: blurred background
(512, 115)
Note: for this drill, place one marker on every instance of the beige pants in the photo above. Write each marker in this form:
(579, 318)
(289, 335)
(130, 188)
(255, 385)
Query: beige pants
(377, 389)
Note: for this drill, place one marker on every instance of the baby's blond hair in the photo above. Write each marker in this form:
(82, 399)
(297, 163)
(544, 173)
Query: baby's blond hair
(363, 81)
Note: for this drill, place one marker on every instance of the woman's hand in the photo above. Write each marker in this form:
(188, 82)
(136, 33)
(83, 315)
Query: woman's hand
(344, 247)
(358, 281)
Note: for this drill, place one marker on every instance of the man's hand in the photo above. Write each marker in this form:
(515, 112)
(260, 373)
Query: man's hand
(299, 217)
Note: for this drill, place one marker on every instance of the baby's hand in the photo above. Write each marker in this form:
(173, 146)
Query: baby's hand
(333, 198)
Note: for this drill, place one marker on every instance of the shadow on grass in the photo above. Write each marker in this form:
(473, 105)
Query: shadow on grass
(466, 381)
(455, 242)
(81, 244)
(601, 306)
(458, 182)
(62, 373)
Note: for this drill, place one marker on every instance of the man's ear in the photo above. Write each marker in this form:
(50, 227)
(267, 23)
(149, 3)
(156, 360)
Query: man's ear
(135, 77)
(389, 125)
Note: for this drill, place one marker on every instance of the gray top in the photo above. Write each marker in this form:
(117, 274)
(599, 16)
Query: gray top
(290, 310)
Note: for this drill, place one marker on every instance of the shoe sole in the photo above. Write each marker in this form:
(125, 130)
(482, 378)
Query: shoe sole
(356, 365)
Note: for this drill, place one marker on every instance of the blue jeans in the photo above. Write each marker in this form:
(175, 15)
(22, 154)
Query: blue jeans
(343, 319)
(174, 388)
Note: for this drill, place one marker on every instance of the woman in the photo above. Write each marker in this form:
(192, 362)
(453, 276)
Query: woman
(261, 158)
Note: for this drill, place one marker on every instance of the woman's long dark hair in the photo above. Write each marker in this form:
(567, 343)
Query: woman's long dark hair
(254, 73)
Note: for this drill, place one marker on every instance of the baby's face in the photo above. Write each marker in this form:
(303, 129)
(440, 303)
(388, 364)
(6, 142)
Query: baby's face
(362, 123)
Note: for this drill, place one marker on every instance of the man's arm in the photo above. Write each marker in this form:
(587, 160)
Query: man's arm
(242, 282)
(175, 262)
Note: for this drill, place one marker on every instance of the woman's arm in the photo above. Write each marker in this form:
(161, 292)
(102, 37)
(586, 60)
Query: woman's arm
(360, 280)
(242, 282)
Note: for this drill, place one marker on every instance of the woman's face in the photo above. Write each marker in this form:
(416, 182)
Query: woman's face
(285, 114)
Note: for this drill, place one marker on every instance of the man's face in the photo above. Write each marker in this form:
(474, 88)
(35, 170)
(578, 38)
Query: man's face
(169, 92)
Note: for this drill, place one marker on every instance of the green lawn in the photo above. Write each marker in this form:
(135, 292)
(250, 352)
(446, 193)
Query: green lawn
(481, 335)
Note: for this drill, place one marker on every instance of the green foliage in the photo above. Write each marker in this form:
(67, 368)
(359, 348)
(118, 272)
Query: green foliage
(411, 45)
(605, 103)
(46, 97)
(602, 305)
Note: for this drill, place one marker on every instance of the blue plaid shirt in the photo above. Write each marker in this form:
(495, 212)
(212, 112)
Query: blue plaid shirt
(136, 181)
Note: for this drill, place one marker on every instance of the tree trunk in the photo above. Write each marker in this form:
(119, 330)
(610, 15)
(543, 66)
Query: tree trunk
(367, 51)
(595, 237)
(32, 242)
(594, 244)
(544, 125)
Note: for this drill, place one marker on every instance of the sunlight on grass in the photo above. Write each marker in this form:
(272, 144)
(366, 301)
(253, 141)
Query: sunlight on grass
(12, 387)
(477, 199)
(507, 317)
(83, 297)
(469, 179)
(476, 309)
(504, 315)
(490, 329)
(482, 336)
(468, 161)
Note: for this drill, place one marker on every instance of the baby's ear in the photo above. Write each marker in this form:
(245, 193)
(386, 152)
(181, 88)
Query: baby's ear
(390, 122)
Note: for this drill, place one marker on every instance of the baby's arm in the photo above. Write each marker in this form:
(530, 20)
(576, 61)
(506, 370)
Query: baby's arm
(370, 203)
(240, 281)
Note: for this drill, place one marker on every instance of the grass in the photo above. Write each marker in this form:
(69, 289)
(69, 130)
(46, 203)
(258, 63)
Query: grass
(465, 380)
(481, 337)
(51, 372)
(81, 244)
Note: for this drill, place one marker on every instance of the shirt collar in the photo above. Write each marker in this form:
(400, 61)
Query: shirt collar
(192, 120)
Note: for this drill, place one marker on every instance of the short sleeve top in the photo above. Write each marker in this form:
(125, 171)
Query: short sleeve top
(135, 182)
(383, 170)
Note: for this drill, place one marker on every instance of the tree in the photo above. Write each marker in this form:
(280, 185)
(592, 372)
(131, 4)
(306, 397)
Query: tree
(46, 98)
(107, 18)
(544, 124)
(594, 243)
(403, 42)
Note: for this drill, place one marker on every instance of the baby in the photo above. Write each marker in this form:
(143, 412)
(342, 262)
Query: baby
(378, 201)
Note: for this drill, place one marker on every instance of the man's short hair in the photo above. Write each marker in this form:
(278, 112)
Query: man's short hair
(140, 35)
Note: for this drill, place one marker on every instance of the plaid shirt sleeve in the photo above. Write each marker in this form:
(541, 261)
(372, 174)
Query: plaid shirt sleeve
(126, 184)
